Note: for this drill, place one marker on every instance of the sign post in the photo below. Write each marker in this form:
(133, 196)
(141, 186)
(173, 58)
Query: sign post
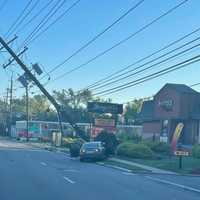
(180, 162)
(180, 153)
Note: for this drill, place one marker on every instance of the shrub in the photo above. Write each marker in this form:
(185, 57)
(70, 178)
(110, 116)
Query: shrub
(134, 150)
(161, 147)
(196, 151)
(129, 136)
(110, 141)
(123, 137)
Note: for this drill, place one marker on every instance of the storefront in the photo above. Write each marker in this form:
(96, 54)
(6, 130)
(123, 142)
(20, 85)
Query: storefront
(173, 104)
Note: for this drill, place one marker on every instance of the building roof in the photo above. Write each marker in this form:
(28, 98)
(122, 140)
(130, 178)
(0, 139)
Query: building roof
(181, 88)
(147, 110)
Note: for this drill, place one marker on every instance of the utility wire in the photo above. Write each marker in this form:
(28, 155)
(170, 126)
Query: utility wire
(112, 81)
(117, 44)
(112, 75)
(193, 85)
(18, 18)
(3, 4)
(54, 22)
(45, 20)
(97, 36)
(151, 76)
(35, 16)
(25, 16)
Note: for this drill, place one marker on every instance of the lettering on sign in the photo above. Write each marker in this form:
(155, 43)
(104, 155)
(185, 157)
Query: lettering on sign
(181, 153)
(166, 104)
(104, 122)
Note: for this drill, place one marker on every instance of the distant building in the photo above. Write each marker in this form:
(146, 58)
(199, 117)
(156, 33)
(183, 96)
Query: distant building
(173, 104)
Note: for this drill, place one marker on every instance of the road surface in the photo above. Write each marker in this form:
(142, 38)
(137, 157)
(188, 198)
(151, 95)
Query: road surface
(35, 174)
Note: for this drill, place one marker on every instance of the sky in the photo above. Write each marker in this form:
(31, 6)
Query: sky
(87, 19)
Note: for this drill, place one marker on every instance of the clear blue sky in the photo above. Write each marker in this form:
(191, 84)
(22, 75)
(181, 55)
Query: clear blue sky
(87, 19)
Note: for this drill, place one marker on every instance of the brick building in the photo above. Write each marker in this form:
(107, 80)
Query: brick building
(174, 103)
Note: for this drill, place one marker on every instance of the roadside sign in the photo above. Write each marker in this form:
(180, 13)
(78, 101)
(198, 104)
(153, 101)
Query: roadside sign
(104, 122)
(98, 107)
(97, 130)
(176, 135)
(181, 153)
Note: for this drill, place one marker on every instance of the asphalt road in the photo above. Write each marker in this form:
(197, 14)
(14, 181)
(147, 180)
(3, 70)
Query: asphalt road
(33, 174)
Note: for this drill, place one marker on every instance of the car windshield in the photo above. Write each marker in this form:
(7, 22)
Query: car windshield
(91, 145)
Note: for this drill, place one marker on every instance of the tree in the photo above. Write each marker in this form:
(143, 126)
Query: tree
(69, 98)
(110, 141)
(75, 104)
(132, 109)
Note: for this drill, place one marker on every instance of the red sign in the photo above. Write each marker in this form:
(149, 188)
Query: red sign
(97, 130)
(104, 122)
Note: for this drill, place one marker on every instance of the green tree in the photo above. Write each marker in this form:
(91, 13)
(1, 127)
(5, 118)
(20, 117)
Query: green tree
(75, 104)
(132, 109)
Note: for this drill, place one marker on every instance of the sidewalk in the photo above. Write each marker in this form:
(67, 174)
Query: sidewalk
(145, 167)
(47, 146)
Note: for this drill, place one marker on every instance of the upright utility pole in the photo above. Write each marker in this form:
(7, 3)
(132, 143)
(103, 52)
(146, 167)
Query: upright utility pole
(10, 106)
(27, 114)
(6, 122)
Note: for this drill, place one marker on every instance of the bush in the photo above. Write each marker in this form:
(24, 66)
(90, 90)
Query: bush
(75, 147)
(134, 150)
(159, 147)
(123, 137)
(110, 141)
(196, 151)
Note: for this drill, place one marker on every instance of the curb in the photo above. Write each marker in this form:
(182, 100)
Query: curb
(114, 167)
(184, 187)
(143, 173)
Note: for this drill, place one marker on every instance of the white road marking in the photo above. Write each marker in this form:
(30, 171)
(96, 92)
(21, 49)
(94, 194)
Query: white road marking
(69, 180)
(43, 163)
(128, 173)
(70, 170)
(174, 184)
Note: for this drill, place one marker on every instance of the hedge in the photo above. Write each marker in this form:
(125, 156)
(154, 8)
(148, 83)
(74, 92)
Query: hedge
(161, 147)
(196, 151)
(134, 150)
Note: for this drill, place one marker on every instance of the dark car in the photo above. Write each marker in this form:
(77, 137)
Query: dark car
(92, 151)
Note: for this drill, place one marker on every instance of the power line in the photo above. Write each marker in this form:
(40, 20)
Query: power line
(54, 22)
(45, 19)
(18, 18)
(118, 43)
(112, 75)
(112, 80)
(36, 15)
(25, 16)
(3, 4)
(97, 36)
(193, 85)
(151, 76)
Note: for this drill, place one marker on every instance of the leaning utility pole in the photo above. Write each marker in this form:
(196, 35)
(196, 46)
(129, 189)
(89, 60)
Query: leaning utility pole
(10, 106)
(34, 79)
(60, 110)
